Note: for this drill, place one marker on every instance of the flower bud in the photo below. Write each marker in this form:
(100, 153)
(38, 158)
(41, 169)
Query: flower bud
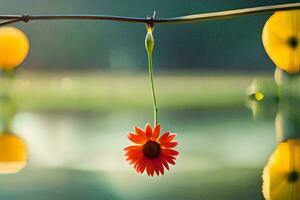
(149, 42)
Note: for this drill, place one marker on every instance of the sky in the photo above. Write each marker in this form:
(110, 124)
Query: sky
(229, 44)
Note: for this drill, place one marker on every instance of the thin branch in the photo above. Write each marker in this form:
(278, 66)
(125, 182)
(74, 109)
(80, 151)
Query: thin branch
(229, 13)
(182, 19)
(10, 21)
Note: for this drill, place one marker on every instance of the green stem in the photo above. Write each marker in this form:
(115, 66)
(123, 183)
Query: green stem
(152, 87)
(6, 103)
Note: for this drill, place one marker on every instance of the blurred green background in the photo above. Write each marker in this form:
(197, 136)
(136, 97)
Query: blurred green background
(84, 86)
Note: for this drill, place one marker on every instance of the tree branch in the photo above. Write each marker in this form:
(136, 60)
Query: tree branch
(182, 19)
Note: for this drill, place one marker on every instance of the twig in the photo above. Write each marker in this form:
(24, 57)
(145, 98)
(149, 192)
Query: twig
(182, 19)
(10, 21)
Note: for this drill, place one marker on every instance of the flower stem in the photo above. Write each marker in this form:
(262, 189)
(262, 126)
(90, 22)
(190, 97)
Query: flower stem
(152, 87)
(149, 44)
(6, 102)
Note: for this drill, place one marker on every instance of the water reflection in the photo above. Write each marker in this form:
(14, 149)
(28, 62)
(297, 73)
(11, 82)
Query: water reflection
(281, 174)
(13, 150)
(281, 179)
(262, 99)
(13, 153)
(287, 121)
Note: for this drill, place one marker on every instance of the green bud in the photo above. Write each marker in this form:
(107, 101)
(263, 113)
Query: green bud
(149, 42)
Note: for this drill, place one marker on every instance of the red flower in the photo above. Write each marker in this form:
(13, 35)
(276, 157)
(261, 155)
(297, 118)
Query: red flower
(152, 152)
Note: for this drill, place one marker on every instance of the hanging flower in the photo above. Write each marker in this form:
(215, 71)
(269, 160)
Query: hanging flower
(152, 153)
(281, 176)
(13, 153)
(281, 39)
(14, 47)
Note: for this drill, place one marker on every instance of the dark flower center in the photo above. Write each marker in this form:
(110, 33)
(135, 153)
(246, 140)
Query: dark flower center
(151, 149)
(293, 176)
(293, 42)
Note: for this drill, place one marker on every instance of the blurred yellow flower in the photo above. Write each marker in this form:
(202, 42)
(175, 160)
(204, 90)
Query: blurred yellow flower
(13, 153)
(281, 179)
(259, 96)
(14, 47)
(281, 39)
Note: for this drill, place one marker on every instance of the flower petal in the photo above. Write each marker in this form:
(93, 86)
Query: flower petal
(134, 147)
(136, 138)
(170, 152)
(131, 161)
(136, 165)
(134, 158)
(133, 153)
(140, 132)
(150, 168)
(169, 159)
(164, 162)
(142, 165)
(167, 138)
(156, 132)
(158, 166)
(170, 144)
(163, 137)
(148, 131)
(155, 166)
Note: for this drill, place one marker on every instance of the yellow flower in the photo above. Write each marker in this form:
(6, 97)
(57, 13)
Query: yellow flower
(281, 177)
(281, 39)
(14, 47)
(13, 153)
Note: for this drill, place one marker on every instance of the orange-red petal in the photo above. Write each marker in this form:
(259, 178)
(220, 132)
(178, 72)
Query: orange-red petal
(155, 168)
(167, 138)
(149, 168)
(170, 152)
(136, 165)
(133, 153)
(164, 162)
(130, 162)
(134, 158)
(136, 138)
(134, 147)
(158, 166)
(163, 137)
(148, 131)
(169, 144)
(140, 132)
(156, 132)
(142, 165)
(169, 159)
